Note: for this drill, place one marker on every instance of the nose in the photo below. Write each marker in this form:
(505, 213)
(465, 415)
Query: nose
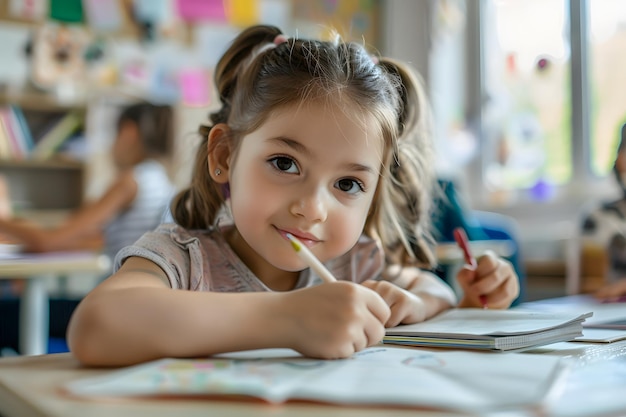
(311, 204)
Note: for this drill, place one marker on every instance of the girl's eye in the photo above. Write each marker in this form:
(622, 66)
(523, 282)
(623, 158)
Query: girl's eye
(285, 164)
(350, 186)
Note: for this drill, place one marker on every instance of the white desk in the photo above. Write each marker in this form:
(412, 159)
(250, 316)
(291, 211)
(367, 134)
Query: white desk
(450, 253)
(30, 386)
(34, 303)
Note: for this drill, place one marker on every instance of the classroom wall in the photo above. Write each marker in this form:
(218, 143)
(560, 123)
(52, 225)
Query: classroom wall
(405, 33)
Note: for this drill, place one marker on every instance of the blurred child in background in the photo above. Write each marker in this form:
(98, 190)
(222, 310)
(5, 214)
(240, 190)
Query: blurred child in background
(134, 203)
(606, 226)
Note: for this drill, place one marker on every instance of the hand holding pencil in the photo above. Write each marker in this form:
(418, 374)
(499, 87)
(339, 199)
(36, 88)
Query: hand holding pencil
(333, 321)
(489, 281)
(461, 239)
(309, 259)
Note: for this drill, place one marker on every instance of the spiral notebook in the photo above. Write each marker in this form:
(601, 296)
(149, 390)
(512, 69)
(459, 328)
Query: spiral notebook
(497, 330)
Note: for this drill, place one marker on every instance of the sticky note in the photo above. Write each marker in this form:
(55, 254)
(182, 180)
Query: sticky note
(194, 87)
(198, 10)
(242, 12)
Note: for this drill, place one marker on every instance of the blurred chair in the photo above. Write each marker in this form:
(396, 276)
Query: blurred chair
(593, 253)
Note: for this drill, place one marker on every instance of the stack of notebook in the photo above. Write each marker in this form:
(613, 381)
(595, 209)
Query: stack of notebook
(490, 329)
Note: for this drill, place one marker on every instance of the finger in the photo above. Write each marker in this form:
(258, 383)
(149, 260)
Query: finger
(503, 296)
(395, 318)
(370, 283)
(400, 310)
(378, 307)
(466, 276)
(487, 264)
(360, 343)
(502, 273)
(374, 333)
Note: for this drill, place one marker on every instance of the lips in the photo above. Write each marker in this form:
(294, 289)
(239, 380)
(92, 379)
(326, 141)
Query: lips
(306, 238)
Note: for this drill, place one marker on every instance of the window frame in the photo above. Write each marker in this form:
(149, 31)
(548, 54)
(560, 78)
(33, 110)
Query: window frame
(584, 185)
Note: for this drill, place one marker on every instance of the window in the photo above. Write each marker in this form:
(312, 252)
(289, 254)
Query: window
(607, 75)
(554, 94)
(526, 113)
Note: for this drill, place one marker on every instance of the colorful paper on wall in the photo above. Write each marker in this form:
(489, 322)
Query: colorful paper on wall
(103, 15)
(68, 11)
(194, 87)
(242, 12)
(199, 10)
(28, 10)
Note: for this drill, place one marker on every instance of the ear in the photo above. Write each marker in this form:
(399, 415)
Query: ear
(219, 152)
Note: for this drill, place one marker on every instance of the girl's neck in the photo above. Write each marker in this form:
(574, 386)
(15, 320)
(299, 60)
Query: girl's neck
(274, 278)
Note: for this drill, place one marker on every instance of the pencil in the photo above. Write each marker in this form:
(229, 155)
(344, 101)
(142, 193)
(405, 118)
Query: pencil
(461, 239)
(307, 256)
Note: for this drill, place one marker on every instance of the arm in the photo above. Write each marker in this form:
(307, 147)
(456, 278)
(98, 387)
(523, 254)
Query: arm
(81, 229)
(413, 295)
(494, 278)
(613, 291)
(134, 316)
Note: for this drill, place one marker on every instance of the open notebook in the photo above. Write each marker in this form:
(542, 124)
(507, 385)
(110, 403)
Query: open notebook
(486, 329)
(387, 375)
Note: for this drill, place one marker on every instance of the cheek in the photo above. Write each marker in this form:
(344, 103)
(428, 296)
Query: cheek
(251, 194)
(346, 225)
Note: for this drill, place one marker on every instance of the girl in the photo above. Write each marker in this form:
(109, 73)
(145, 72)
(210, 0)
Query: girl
(316, 139)
(134, 203)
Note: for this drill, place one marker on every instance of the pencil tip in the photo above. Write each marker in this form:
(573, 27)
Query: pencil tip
(294, 242)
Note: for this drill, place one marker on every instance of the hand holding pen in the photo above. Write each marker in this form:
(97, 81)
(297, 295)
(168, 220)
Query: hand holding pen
(461, 239)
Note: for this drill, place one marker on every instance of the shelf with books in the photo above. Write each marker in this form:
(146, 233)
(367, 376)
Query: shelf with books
(34, 127)
(37, 134)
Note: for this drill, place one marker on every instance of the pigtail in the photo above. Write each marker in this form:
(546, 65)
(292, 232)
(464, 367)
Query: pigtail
(229, 66)
(198, 206)
(406, 200)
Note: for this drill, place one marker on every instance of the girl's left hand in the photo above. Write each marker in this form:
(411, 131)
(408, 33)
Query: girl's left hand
(493, 284)
(612, 292)
(405, 306)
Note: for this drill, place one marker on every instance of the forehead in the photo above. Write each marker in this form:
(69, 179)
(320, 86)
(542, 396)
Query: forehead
(327, 127)
(339, 117)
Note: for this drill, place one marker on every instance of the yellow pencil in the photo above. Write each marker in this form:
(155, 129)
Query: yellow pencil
(307, 256)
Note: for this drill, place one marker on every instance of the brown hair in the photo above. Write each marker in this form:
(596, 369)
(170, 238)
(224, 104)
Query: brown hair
(255, 77)
(155, 124)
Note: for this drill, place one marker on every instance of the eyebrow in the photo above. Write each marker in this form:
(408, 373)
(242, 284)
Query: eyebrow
(293, 144)
(298, 147)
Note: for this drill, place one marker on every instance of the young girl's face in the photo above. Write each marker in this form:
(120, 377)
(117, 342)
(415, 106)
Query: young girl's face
(127, 147)
(311, 171)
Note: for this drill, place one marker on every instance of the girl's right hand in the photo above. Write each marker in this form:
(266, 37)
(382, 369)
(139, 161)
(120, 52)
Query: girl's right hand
(333, 320)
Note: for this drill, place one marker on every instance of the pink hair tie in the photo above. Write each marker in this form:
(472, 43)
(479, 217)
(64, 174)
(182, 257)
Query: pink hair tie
(280, 39)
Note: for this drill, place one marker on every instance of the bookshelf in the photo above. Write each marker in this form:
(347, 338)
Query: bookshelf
(44, 185)
(38, 177)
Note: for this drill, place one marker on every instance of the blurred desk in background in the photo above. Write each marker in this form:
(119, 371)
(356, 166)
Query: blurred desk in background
(36, 269)
(450, 253)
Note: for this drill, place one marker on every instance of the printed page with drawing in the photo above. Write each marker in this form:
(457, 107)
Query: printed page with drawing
(457, 380)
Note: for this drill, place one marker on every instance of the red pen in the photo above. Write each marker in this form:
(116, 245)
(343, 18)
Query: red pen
(461, 239)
